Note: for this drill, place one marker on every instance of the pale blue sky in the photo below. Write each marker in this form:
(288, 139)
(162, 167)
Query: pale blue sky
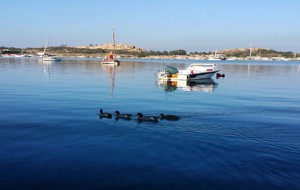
(193, 25)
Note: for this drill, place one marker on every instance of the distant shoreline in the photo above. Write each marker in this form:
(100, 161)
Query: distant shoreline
(130, 51)
(160, 58)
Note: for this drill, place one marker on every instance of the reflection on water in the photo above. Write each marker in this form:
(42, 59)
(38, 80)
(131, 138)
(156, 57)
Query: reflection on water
(244, 134)
(203, 85)
(111, 70)
(46, 69)
(298, 71)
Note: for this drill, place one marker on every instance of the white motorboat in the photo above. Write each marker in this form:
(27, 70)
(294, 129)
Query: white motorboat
(193, 72)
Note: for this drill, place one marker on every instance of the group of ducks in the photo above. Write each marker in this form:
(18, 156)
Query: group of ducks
(140, 116)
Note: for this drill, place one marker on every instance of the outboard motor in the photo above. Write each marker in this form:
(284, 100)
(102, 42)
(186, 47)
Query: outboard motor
(220, 75)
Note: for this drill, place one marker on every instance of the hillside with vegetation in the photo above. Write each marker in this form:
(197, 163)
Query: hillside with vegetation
(132, 51)
(258, 52)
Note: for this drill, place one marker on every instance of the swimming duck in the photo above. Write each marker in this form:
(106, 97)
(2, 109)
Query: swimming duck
(123, 116)
(141, 117)
(102, 114)
(169, 117)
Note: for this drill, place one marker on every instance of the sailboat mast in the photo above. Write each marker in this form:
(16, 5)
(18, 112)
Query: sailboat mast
(47, 41)
(113, 42)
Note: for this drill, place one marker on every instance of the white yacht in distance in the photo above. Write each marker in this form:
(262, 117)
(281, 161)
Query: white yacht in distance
(48, 57)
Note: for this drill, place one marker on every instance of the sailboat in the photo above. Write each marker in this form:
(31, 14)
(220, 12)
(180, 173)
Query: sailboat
(48, 57)
(111, 58)
(217, 57)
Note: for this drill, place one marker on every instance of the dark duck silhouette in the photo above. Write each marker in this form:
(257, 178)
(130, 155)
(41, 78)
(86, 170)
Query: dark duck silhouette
(141, 117)
(169, 117)
(103, 114)
(122, 116)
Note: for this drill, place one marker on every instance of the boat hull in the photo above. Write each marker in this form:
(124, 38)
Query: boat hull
(171, 77)
(51, 59)
(188, 77)
(203, 75)
(114, 62)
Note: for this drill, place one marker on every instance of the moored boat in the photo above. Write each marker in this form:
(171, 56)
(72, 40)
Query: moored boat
(51, 58)
(193, 72)
(48, 57)
(111, 58)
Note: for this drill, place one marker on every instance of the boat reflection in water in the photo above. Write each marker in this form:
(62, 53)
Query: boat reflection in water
(202, 85)
(111, 70)
(46, 68)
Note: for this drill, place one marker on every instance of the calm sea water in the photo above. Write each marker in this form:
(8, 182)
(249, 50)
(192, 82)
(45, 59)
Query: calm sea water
(237, 132)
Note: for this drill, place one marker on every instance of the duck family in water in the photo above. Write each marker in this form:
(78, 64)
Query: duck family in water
(140, 116)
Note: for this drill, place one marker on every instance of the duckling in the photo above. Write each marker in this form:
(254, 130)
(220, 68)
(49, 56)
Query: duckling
(169, 117)
(102, 114)
(123, 116)
(141, 117)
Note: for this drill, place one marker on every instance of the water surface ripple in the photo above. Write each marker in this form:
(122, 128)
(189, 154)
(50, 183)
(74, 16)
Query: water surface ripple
(237, 132)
